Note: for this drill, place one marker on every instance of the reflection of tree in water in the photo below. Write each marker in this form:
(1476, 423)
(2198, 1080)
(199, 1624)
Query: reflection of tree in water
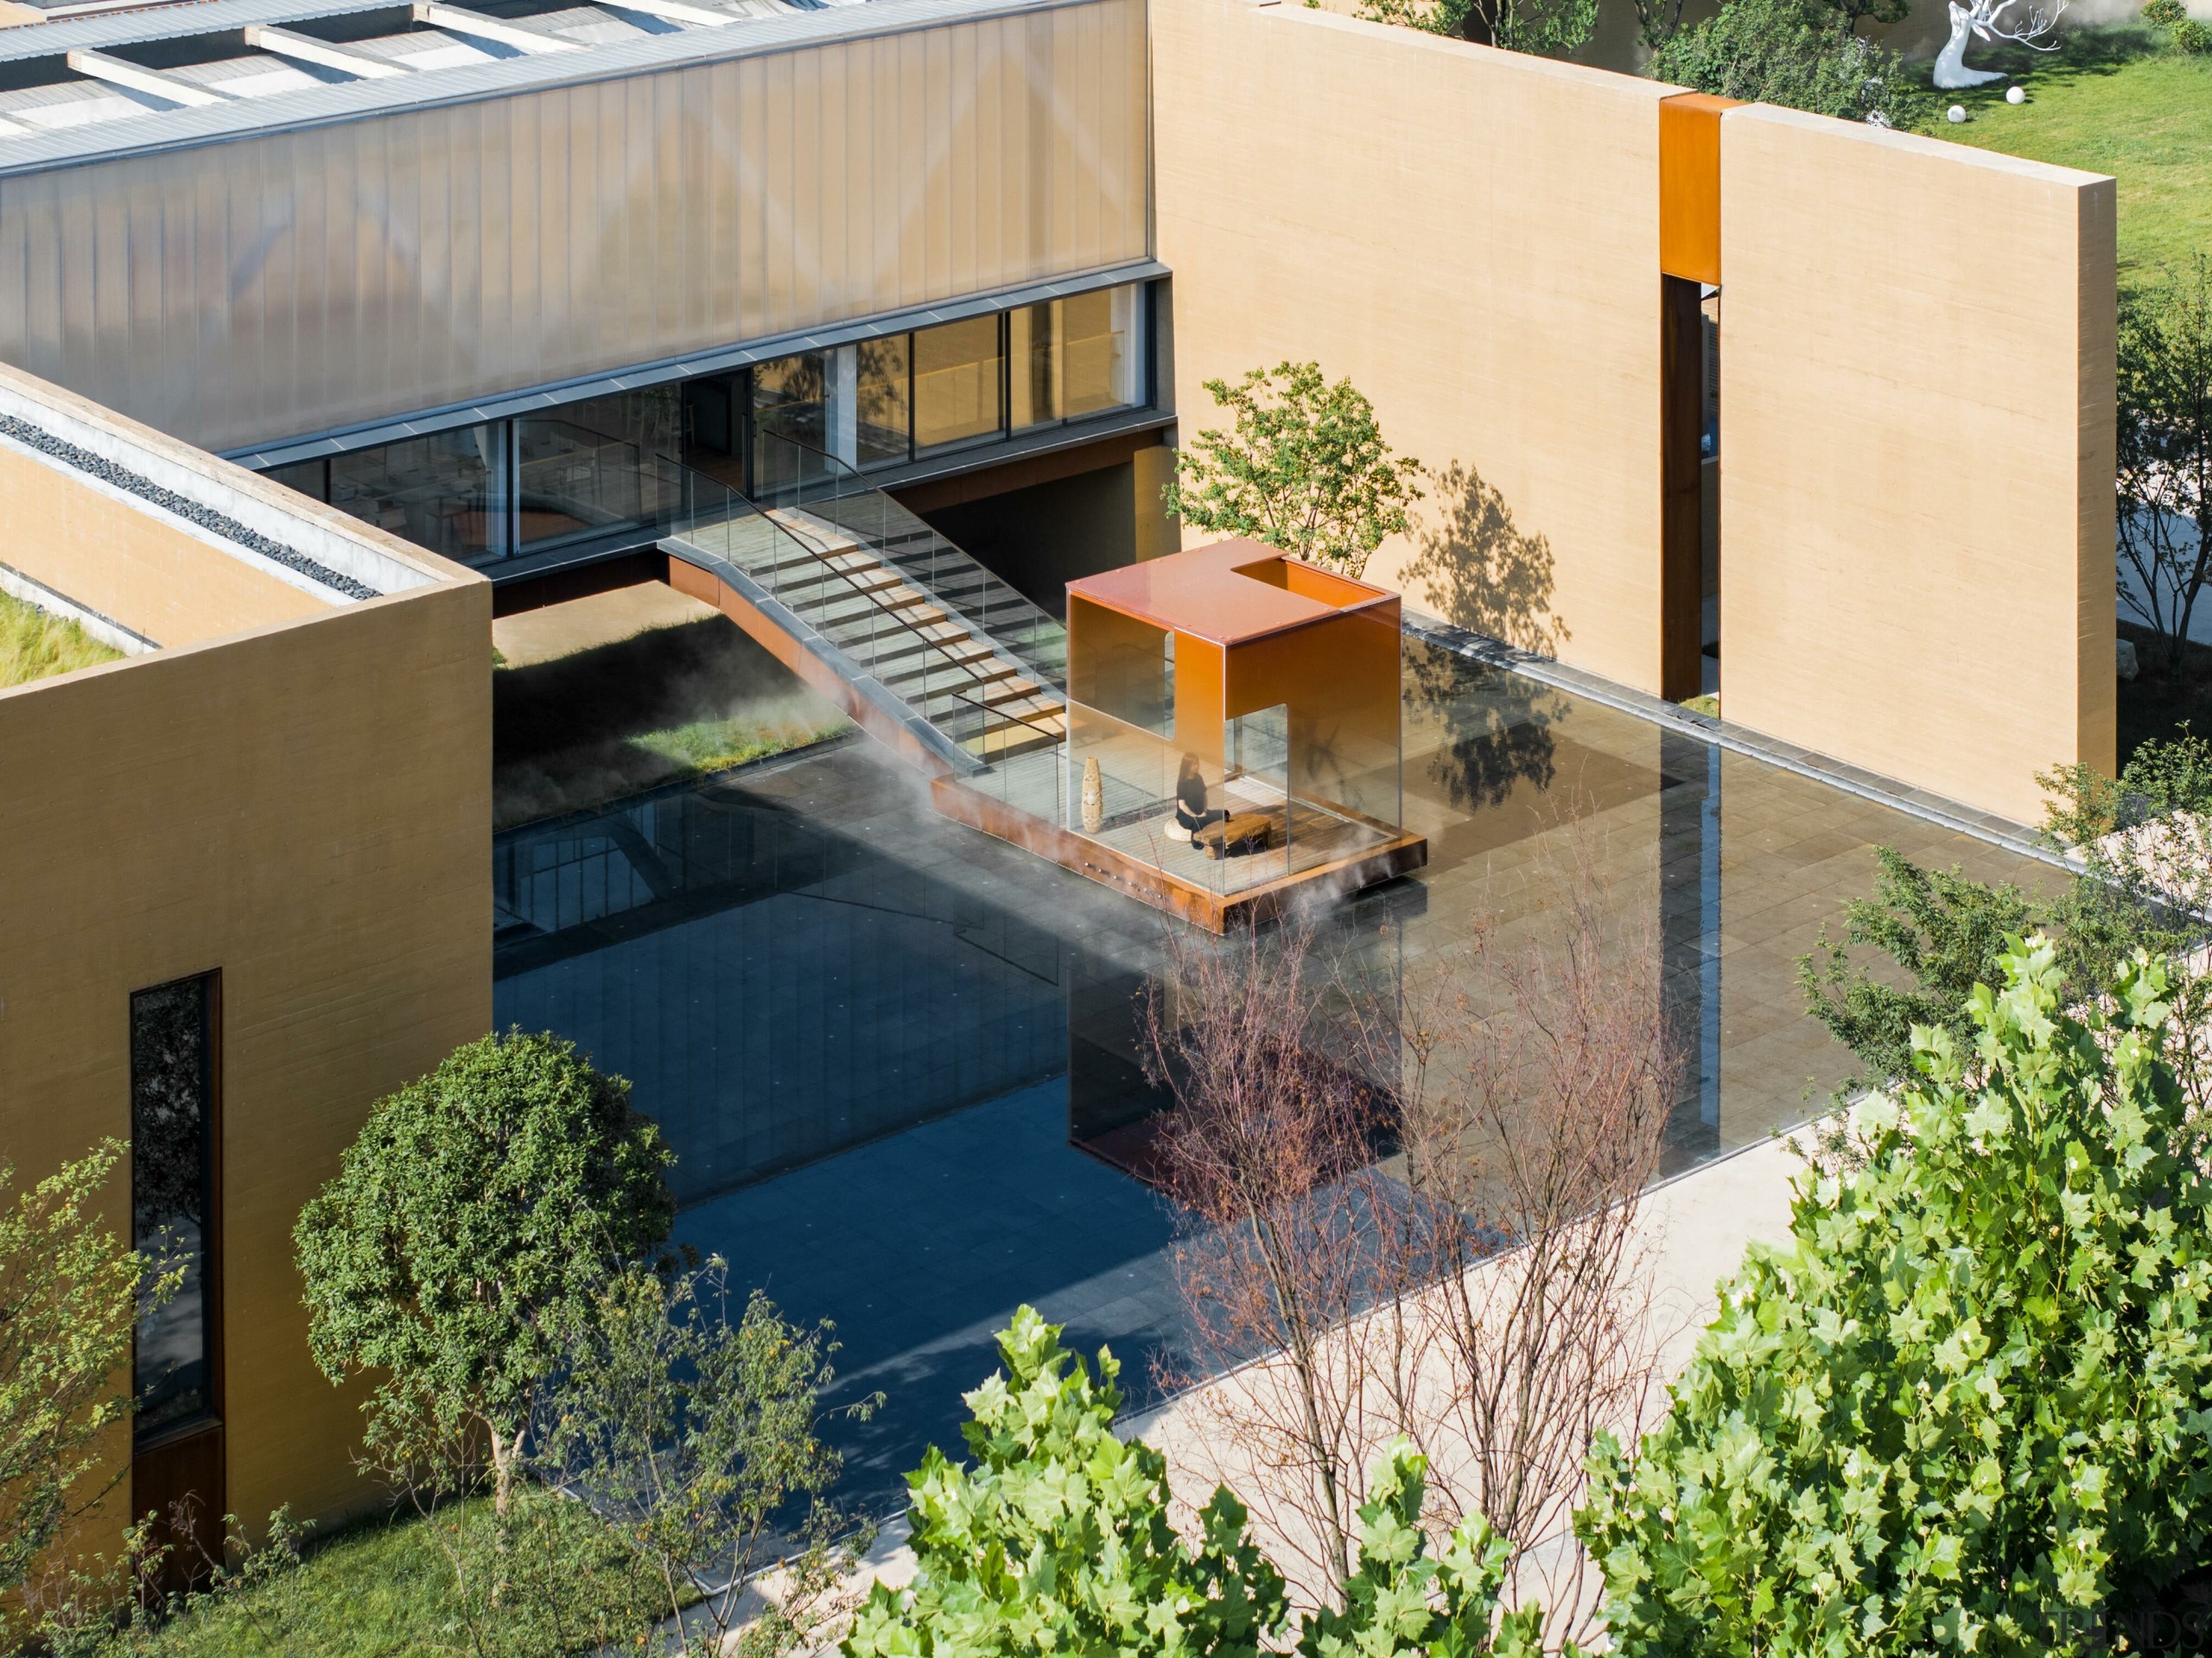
(1483, 573)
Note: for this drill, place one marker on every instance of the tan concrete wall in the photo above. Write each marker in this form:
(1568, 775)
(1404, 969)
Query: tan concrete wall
(147, 573)
(307, 808)
(1916, 407)
(1472, 237)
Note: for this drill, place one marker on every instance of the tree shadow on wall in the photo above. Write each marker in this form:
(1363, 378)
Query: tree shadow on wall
(1483, 574)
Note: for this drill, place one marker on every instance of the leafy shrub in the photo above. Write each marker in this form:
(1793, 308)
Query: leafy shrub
(70, 1291)
(1057, 1537)
(2190, 37)
(1056, 1541)
(1400, 1600)
(1966, 1406)
(2164, 14)
(1789, 52)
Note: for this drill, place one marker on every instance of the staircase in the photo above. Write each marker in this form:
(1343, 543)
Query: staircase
(920, 642)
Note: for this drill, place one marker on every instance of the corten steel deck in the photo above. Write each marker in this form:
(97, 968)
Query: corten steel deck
(1201, 905)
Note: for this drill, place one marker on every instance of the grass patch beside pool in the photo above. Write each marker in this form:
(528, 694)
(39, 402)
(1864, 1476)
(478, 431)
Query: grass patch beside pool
(716, 745)
(34, 644)
(614, 719)
(2110, 100)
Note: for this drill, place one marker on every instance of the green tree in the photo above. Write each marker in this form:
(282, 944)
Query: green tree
(1801, 53)
(1966, 1406)
(1304, 468)
(1945, 932)
(697, 1436)
(467, 1231)
(69, 1299)
(2164, 478)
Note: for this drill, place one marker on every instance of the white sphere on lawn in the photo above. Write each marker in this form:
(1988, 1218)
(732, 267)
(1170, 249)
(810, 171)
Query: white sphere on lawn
(2015, 95)
(1955, 114)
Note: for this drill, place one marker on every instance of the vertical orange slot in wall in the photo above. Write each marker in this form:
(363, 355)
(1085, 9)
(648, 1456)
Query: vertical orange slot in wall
(1689, 186)
(1689, 257)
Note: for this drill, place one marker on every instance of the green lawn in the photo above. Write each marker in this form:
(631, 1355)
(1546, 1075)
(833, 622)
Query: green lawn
(386, 1589)
(34, 645)
(378, 1590)
(2109, 101)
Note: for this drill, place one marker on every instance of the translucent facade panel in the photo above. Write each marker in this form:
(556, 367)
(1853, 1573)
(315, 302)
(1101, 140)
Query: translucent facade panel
(298, 282)
(956, 379)
(172, 1198)
(447, 493)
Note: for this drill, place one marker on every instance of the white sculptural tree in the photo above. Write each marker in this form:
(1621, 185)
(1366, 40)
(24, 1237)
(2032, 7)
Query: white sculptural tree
(1986, 19)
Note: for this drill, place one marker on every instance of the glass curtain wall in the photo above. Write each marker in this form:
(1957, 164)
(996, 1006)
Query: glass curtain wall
(1073, 359)
(448, 493)
(883, 394)
(597, 470)
(906, 396)
(957, 369)
(603, 471)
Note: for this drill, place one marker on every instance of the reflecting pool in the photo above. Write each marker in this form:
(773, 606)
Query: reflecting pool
(878, 1042)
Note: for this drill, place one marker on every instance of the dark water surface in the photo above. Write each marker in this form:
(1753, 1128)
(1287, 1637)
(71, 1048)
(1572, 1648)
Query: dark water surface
(875, 1039)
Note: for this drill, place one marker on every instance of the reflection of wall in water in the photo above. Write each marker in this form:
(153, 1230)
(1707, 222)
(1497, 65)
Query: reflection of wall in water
(1689, 928)
(774, 992)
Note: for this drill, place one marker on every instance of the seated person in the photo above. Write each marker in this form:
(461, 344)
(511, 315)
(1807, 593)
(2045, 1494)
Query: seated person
(1191, 812)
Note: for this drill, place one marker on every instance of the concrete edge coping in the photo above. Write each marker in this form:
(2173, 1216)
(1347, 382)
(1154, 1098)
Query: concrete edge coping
(310, 539)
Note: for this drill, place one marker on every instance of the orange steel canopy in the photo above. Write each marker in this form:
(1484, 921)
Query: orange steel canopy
(1230, 593)
(1167, 652)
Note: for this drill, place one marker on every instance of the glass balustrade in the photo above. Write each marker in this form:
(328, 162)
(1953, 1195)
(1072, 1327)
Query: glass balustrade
(821, 500)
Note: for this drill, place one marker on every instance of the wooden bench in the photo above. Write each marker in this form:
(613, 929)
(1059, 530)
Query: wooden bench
(1239, 834)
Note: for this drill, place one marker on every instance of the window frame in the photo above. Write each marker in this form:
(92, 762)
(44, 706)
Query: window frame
(210, 1413)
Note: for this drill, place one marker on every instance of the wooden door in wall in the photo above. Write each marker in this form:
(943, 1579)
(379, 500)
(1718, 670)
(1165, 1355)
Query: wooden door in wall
(179, 1480)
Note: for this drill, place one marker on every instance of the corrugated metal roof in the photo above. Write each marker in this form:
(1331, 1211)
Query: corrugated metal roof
(485, 77)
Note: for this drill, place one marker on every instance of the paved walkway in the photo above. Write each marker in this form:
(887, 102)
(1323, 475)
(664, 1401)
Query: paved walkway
(553, 630)
(1698, 1226)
